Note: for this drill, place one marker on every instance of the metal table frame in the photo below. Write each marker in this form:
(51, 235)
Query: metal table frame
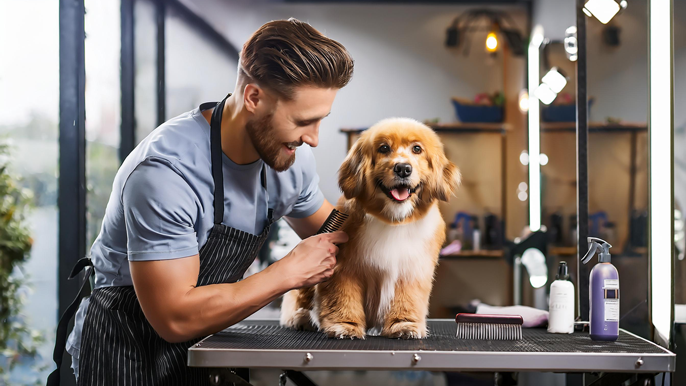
(295, 360)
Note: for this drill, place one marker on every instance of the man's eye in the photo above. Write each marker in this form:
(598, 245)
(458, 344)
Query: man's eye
(383, 149)
(417, 149)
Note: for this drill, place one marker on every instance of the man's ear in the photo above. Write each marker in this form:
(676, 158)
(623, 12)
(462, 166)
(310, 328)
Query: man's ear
(351, 175)
(255, 98)
(446, 177)
(250, 97)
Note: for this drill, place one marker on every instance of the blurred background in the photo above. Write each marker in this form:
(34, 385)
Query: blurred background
(463, 67)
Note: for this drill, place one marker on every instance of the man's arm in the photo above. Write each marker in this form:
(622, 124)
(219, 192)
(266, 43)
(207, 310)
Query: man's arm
(307, 226)
(180, 311)
(160, 210)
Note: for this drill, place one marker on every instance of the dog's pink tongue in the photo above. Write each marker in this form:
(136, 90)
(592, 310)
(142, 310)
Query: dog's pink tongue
(400, 194)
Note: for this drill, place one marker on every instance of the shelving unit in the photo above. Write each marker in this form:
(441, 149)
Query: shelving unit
(631, 128)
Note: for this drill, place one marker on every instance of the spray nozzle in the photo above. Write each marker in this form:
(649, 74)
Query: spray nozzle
(595, 244)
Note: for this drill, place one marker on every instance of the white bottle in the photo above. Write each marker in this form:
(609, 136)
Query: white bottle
(476, 240)
(476, 235)
(561, 306)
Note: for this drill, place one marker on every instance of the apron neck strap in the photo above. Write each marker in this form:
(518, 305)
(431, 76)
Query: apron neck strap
(216, 157)
(216, 154)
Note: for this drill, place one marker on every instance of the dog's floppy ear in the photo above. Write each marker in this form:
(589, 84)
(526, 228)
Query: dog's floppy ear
(445, 179)
(351, 175)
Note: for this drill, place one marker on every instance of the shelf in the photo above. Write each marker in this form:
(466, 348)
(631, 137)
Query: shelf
(562, 251)
(458, 128)
(595, 127)
(571, 251)
(472, 254)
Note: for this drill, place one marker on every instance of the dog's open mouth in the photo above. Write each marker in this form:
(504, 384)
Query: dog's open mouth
(398, 193)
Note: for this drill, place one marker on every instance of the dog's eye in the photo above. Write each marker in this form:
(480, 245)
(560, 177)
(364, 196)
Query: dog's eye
(384, 149)
(417, 149)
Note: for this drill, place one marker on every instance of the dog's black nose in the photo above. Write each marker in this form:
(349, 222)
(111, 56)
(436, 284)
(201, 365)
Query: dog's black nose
(403, 170)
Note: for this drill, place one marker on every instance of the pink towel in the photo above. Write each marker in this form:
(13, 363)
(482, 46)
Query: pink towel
(533, 317)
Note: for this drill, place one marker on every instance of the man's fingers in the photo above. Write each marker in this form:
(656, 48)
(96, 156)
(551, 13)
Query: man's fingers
(329, 261)
(338, 237)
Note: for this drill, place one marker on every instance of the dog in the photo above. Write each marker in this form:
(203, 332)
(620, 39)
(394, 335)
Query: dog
(392, 180)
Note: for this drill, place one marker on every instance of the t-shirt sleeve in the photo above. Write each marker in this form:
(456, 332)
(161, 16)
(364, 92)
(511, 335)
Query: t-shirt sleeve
(160, 210)
(311, 197)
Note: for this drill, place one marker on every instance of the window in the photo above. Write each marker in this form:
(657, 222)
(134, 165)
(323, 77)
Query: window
(103, 108)
(29, 96)
(145, 57)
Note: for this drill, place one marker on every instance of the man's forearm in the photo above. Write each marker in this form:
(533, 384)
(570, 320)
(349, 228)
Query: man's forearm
(208, 309)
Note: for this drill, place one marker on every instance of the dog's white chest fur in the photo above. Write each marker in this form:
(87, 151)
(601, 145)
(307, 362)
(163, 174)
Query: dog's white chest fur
(396, 252)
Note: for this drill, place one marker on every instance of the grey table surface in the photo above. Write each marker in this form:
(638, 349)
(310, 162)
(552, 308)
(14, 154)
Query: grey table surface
(264, 344)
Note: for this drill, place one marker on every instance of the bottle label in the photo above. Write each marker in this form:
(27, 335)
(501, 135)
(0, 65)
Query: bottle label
(611, 283)
(612, 310)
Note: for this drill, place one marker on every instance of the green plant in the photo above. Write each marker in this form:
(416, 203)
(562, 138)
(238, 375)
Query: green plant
(18, 342)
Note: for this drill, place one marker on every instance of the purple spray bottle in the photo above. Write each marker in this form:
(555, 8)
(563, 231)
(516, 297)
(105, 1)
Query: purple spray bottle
(603, 292)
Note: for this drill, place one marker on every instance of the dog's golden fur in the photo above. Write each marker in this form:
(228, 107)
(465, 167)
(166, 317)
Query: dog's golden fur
(384, 273)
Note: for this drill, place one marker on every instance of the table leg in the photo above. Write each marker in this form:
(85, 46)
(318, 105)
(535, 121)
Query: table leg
(574, 379)
(229, 377)
(296, 377)
(645, 380)
(505, 379)
(611, 379)
(243, 373)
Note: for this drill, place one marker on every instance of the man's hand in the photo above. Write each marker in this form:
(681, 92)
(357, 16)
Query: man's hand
(312, 260)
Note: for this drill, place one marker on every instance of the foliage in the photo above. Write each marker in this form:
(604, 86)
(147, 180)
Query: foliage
(18, 343)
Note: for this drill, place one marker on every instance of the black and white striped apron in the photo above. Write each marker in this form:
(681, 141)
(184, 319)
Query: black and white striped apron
(118, 344)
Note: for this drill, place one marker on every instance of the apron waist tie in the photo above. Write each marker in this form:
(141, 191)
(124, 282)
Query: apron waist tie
(61, 335)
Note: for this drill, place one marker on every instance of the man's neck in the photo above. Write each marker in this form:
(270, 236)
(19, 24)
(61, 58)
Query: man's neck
(236, 143)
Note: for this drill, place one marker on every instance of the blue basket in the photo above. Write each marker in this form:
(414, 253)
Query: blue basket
(477, 113)
(562, 113)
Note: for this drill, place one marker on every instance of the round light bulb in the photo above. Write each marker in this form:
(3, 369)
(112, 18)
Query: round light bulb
(524, 101)
(543, 159)
(491, 42)
(524, 158)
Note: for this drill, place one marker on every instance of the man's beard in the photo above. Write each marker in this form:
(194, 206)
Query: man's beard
(269, 148)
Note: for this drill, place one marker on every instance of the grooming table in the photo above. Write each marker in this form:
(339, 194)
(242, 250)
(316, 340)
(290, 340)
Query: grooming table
(264, 344)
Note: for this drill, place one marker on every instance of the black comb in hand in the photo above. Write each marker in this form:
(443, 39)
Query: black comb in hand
(334, 222)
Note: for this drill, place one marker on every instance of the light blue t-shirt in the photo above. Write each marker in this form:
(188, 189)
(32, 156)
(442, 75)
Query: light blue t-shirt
(161, 206)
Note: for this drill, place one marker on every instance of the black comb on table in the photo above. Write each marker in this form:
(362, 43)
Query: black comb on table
(334, 222)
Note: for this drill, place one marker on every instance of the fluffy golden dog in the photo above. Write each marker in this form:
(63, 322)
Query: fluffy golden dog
(392, 180)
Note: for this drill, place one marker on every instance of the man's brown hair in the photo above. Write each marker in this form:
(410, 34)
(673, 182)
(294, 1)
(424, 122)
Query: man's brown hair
(284, 54)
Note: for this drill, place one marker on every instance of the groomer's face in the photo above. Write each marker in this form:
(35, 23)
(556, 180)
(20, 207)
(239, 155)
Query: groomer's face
(279, 129)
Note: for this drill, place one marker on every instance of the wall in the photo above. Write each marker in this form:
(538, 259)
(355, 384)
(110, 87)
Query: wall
(554, 16)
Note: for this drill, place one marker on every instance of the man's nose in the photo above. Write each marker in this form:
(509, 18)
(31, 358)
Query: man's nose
(403, 170)
(312, 138)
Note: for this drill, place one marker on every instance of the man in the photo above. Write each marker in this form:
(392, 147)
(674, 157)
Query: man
(192, 204)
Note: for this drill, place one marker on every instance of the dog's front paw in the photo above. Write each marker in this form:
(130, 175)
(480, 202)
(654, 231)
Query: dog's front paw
(345, 331)
(405, 330)
(298, 320)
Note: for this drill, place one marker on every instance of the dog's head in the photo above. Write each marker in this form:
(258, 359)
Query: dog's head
(397, 169)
